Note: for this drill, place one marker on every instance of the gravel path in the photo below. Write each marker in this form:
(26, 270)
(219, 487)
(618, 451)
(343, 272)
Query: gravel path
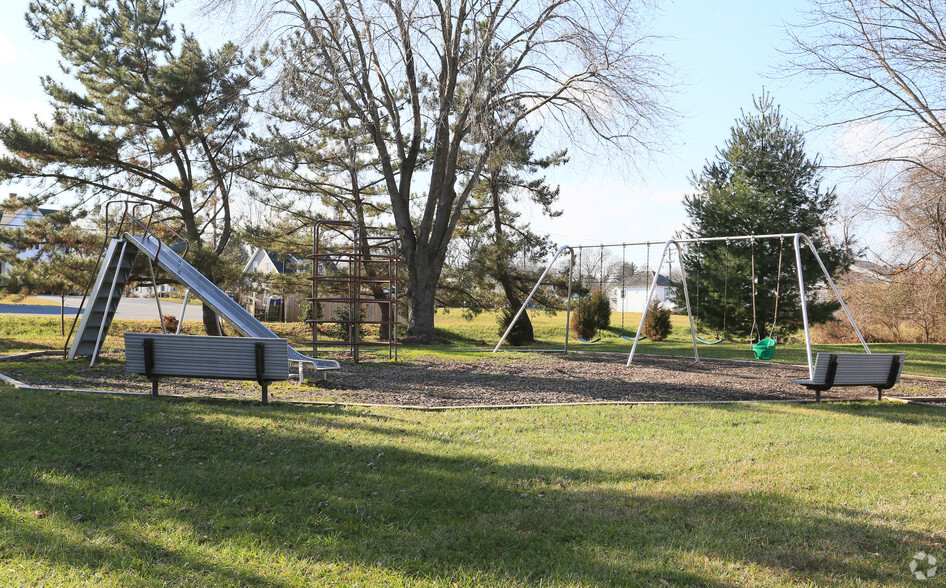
(523, 379)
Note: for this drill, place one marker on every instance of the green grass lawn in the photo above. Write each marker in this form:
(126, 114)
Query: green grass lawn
(116, 491)
(119, 491)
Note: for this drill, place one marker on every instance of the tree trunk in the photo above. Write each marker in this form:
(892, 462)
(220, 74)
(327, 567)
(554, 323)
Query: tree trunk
(384, 330)
(512, 297)
(211, 325)
(421, 301)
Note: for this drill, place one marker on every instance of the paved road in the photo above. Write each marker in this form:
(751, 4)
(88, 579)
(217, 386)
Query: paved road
(34, 309)
(128, 308)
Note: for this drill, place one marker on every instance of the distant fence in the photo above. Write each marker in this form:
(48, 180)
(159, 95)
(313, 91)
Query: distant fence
(258, 305)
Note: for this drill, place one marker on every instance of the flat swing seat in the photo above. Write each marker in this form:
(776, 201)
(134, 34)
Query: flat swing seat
(764, 349)
(705, 342)
(632, 339)
(595, 340)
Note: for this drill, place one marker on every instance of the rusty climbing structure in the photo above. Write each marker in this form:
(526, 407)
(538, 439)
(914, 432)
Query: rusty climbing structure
(354, 288)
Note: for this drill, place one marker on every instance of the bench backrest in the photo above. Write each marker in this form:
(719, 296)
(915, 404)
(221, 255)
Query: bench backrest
(860, 369)
(201, 356)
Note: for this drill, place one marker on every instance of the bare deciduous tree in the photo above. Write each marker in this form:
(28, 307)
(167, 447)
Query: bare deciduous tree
(891, 57)
(421, 79)
(918, 204)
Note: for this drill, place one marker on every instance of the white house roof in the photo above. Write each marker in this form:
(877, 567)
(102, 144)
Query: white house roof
(267, 263)
(7, 218)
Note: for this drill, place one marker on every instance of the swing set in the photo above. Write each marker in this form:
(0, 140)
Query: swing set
(762, 348)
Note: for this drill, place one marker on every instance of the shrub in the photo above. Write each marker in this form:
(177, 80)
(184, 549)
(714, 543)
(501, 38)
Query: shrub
(343, 330)
(657, 326)
(170, 323)
(584, 322)
(601, 309)
(518, 335)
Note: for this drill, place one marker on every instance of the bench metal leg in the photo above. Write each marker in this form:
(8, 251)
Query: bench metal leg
(259, 352)
(154, 386)
(817, 395)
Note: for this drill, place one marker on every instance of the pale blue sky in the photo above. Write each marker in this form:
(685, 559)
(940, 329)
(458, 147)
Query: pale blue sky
(724, 52)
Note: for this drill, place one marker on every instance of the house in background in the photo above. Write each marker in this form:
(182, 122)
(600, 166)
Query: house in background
(259, 300)
(632, 297)
(18, 219)
(267, 263)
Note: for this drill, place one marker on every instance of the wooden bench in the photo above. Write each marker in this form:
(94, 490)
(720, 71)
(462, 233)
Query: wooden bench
(877, 370)
(187, 356)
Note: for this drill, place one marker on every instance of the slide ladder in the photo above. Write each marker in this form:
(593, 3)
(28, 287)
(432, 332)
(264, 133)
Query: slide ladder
(103, 301)
(187, 275)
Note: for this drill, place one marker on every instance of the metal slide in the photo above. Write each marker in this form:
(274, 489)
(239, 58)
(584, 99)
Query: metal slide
(225, 307)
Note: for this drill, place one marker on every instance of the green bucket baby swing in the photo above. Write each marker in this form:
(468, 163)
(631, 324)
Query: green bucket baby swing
(764, 348)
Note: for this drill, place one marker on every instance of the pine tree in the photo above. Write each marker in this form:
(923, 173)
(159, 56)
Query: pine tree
(761, 182)
(148, 116)
(500, 248)
(48, 255)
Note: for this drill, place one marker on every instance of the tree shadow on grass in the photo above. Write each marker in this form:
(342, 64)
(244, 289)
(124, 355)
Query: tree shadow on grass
(18, 344)
(208, 493)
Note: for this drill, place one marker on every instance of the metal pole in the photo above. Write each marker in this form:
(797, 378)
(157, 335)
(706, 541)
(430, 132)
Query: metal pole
(180, 323)
(568, 302)
(650, 296)
(358, 259)
(314, 309)
(394, 281)
(154, 288)
(803, 302)
(686, 297)
(837, 293)
(688, 241)
(532, 293)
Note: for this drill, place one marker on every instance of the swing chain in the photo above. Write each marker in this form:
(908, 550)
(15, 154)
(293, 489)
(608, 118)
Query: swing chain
(754, 334)
(623, 283)
(778, 285)
(726, 288)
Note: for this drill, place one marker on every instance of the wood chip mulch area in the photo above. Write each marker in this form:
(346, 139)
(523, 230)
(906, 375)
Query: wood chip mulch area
(529, 378)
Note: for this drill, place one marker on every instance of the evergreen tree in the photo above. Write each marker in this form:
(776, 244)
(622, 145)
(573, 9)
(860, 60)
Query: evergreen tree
(761, 182)
(147, 116)
(499, 248)
(47, 255)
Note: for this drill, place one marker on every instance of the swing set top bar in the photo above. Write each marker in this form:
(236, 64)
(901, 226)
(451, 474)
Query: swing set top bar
(694, 240)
